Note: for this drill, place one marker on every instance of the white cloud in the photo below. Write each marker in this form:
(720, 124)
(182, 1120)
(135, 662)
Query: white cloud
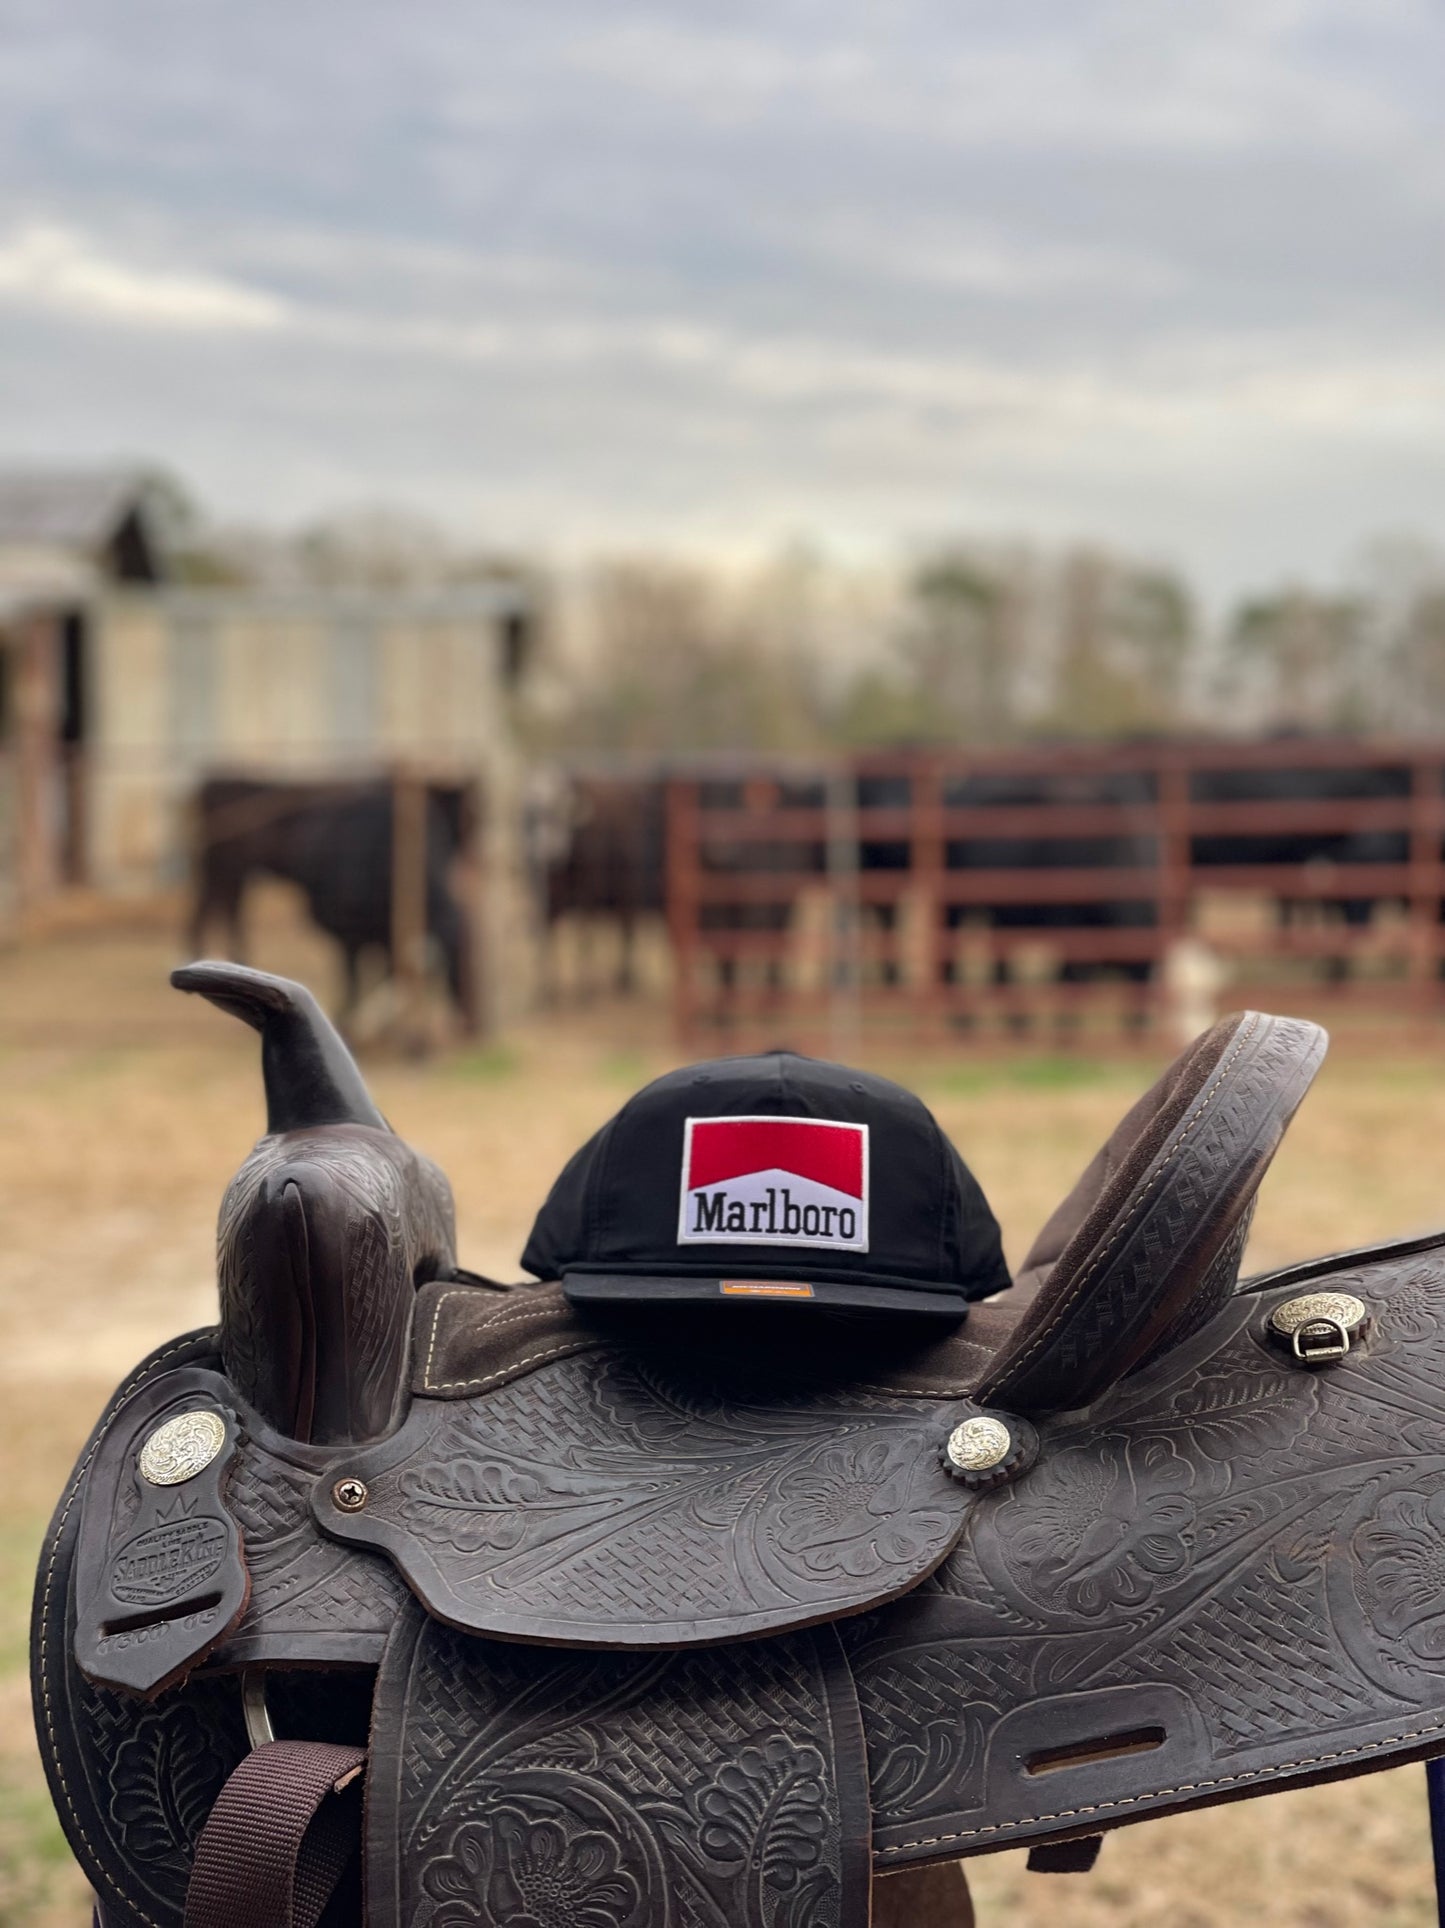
(62, 271)
(661, 267)
(978, 258)
(1188, 385)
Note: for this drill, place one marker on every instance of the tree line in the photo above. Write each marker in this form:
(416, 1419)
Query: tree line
(971, 643)
(991, 645)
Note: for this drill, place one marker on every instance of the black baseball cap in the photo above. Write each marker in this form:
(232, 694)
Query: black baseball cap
(771, 1177)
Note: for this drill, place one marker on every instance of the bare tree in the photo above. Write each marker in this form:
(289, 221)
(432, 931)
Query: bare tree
(1301, 660)
(677, 665)
(1125, 637)
(1404, 587)
(967, 643)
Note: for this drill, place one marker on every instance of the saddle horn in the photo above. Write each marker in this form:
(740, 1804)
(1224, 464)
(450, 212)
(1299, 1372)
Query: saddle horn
(310, 1076)
(326, 1230)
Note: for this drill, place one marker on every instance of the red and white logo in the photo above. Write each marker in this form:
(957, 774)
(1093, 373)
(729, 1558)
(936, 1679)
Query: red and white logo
(774, 1181)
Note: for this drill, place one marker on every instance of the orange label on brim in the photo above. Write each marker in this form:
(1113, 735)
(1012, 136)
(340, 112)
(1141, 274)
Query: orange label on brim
(763, 1289)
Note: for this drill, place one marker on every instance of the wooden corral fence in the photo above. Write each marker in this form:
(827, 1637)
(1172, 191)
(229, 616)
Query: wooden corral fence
(1038, 891)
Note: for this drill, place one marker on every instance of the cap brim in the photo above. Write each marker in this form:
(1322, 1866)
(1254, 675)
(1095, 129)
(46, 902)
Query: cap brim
(602, 1288)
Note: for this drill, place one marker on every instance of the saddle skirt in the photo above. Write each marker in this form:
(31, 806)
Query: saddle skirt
(635, 1628)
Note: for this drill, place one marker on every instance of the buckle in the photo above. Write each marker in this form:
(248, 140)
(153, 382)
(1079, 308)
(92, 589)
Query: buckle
(1319, 1328)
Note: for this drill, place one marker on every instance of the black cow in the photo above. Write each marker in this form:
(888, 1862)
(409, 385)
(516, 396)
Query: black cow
(1123, 850)
(334, 840)
(596, 847)
(1306, 784)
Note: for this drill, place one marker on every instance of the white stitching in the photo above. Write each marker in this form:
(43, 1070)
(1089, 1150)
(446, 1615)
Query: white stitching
(436, 1314)
(887, 1386)
(1163, 1793)
(120, 1398)
(503, 1372)
(530, 1317)
(912, 1392)
(510, 1318)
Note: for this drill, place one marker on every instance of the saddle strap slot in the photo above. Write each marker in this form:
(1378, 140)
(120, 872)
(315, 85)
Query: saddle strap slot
(205, 1604)
(284, 1835)
(1104, 1747)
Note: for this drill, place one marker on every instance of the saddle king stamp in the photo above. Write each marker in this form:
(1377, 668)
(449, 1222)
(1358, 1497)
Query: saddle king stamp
(770, 1542)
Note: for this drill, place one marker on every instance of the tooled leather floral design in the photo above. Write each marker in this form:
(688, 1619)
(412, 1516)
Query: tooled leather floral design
(639, 1402)
(765, 1817)
(530, 1873)
(470, 1504)
(1252, 1404)
(1411, 1312)
(1402, 1555)
(164, 1779)
(1116, 1521)
(851, 1510)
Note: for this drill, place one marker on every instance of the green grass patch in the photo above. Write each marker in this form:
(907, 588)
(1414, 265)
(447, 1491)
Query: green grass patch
(486, 1064)
(1060, 1074)
(628, 1068)
(37, 1873)
(1051, 1072)
(34, 1854)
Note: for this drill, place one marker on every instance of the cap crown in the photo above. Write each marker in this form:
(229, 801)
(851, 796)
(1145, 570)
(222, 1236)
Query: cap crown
(627, 1201)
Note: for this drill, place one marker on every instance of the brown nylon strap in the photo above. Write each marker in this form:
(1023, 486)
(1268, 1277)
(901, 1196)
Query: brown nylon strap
(277, 1843)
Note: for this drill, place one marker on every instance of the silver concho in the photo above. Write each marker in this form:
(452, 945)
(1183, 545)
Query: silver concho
(979, 1444)
(1340, 1308)
(1319, 1328)
(182, 1447)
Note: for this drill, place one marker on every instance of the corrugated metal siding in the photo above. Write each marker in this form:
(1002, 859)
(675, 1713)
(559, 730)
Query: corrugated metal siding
(352, 681)
(132, 709)
(274, 709)
(191, 673)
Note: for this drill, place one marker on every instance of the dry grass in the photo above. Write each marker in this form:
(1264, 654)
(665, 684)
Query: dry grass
(126, 1109)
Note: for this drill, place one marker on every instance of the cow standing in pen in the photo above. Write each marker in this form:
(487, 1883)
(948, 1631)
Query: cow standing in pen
(336, 842)
(596, 852)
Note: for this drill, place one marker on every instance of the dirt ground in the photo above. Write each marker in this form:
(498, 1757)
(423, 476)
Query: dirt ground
(126, 1108)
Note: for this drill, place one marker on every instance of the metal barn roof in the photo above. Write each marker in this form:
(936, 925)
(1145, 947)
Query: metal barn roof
(79, 511)
(61, 527)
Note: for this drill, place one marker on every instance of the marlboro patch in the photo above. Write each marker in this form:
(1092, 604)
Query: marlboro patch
(774, 1181)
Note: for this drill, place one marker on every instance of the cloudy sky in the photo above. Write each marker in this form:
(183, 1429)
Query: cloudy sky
(583, 276)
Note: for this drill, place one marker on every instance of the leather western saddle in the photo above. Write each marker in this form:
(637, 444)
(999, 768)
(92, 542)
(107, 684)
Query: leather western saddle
(571, 1620)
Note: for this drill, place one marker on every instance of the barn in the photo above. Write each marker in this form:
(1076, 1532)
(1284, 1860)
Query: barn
(120, 690)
